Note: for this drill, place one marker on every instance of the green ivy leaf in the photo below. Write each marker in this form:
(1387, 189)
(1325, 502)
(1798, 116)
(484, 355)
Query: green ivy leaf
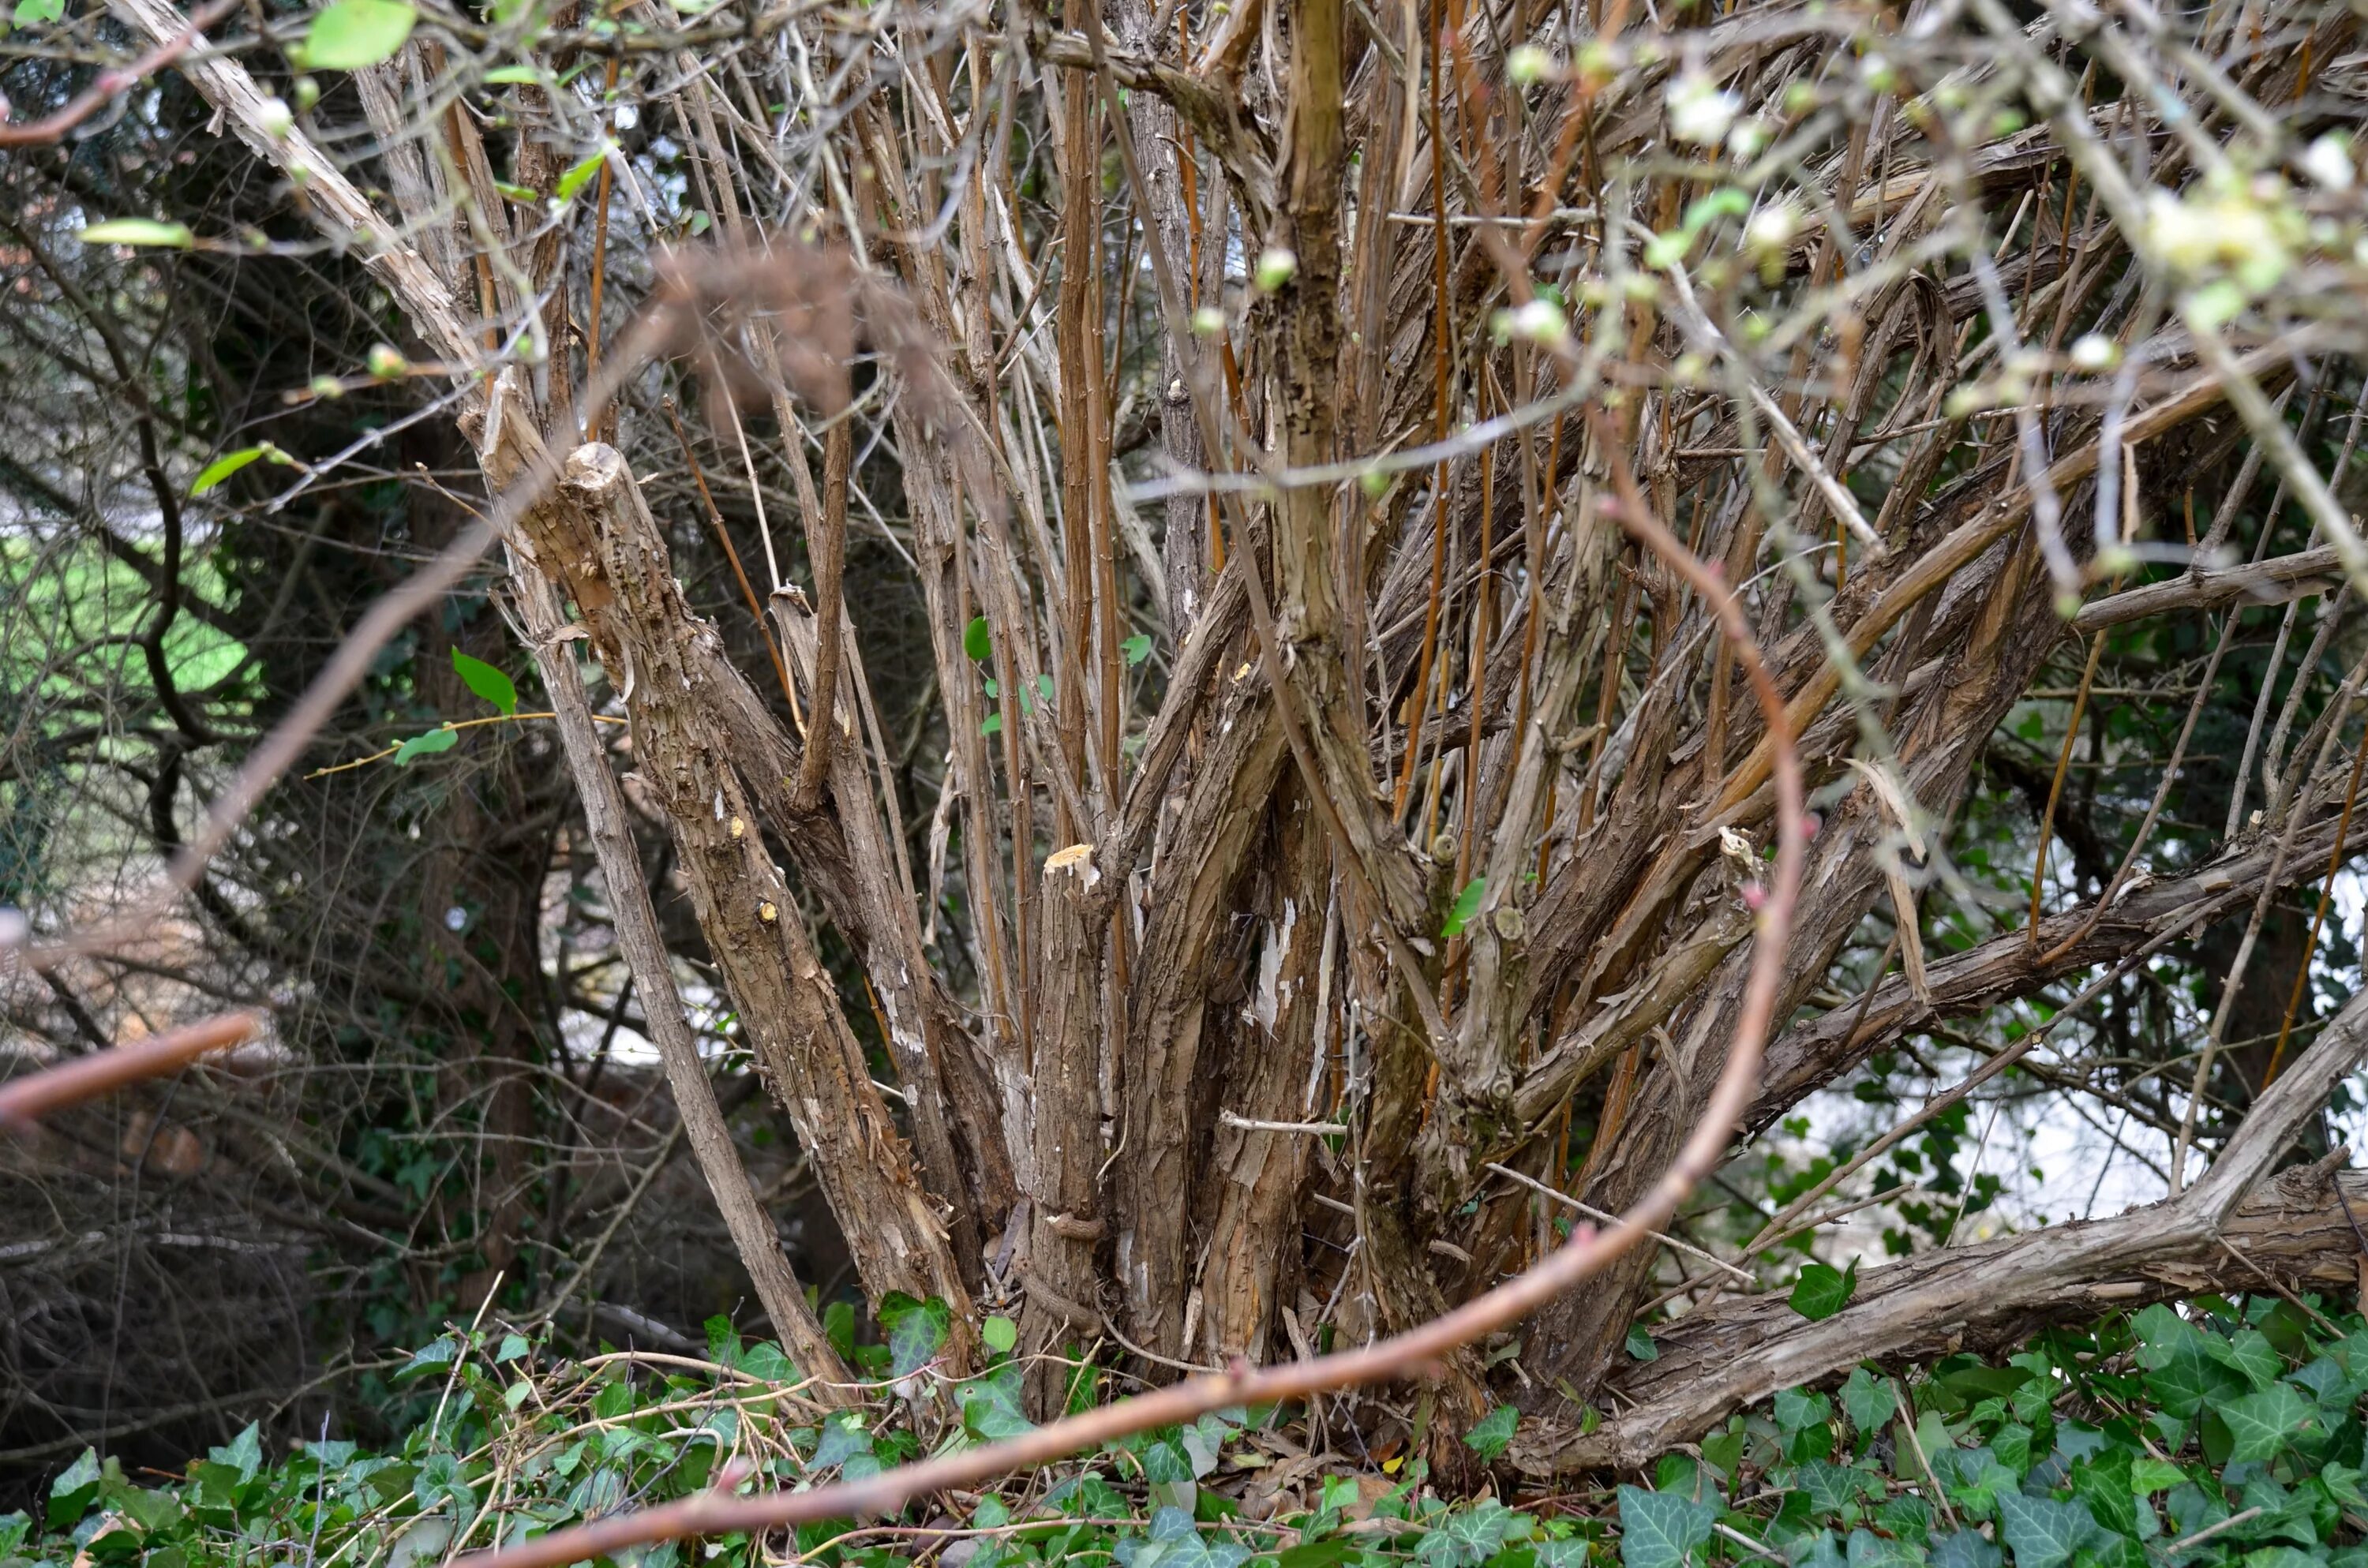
(486, 681)
(1822, 1289)
(1796, 1408)
(1465, 908)
(244, 1453)
(1867, 1550)
(139, 231)
(992, 1405)
(1660, 1529)
(352, 34)
(1966, 1548)
(2248, 1353)
(1867, 1400)
(915, 1330)
(2264, 1423)
(844, 1437)
(427, 745)
(2043, 1531)
(73, 1492)
(31, 12)
(2150, 1475)
(977, 641)
(1136, 648)
(1493, 1434)
(1831, 1487)
(435, 1356)
(514, 76)
(1640, 1345)
(1000, 1335)
(1468, 1536)
(512, 1346)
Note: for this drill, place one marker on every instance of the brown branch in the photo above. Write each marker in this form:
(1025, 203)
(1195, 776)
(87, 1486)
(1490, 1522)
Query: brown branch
(102, 1072)
(2272, 582)
(112, 82)
(2005, 967)
(1728, 1355)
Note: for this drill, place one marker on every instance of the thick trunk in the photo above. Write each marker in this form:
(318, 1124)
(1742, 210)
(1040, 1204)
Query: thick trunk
(2232, 1230)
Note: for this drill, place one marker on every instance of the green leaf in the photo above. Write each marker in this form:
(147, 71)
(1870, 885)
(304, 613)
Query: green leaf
(514, 76)
(244, 1453)
(1831, 1487)
(2150, 1475)
(977, 641)
(433, 1357)
(486, 681)
(843, 1437)
(578, 175)
(222, 467)
(1660, 1529)
(1493, 1434)
(1822, 1289)
(1966, 1548)
(352, 34)
(991, 725)
(1868, 1400)
(1640, 1345)
(1467, 1535)
(2262, 1423)
(524, 194)
(1867, 1550)
(1136, 648)
(512, 1346)
(992, 1407)
(139, 231)
(1465, 908)
(32, 12)
(1000, 1335)
(915, 1330)
(2249, 1353)
(2182, 1373)
(73, 1492)
(2043, 1531)
(1796, 1408)
(427, 745)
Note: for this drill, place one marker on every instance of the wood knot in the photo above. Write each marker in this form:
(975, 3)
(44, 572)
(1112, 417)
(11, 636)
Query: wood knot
(1074, 1227)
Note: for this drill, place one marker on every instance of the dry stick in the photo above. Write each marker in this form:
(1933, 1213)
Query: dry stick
(600, 258)
(2233, 985)
(28, 1099)
(826, 550)
(2055, 789)
(1592, 1212)
(53, 126)
(635, 919)
(1942, 1101)
(2318, 917)
(1418, 706)
(341, 209)
(1361, 876)
(724, 536)
(2153, 808)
